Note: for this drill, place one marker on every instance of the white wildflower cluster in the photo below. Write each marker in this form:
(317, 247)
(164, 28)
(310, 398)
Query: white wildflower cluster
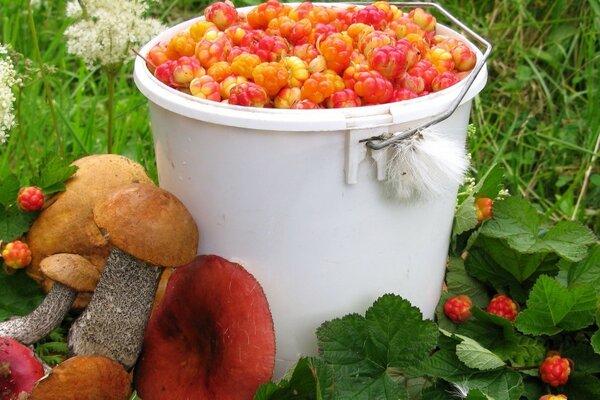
(106, 30)
(469, 184)
(502, 194)
(8, 79)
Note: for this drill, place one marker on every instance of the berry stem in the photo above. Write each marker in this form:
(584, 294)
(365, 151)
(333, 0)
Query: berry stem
(47, 90)
(21, 133)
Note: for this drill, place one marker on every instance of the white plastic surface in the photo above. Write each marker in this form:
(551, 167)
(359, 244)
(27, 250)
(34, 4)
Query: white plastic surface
(268, 189)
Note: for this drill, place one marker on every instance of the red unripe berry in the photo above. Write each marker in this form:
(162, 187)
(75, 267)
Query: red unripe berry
(402, 93)
(422, 18)
(371, 15)
(458, 308)
(342, 99)
(443, 81)
(248, 94)
(16, 254)
(503, 306)
(483, 208)
(305, 104)
(373, 88)
(425, 70)
(206, 87)
(389, 61)
(30, 198)
(555, 370)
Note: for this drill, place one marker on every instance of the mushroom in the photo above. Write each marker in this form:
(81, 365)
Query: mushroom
(84, 378)
(66, 225)
(149, 228)
(211, 336)
(19, 369)
(71, 274)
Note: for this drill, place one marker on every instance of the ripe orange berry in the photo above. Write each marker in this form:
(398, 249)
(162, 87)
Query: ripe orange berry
(337, 49)
(16, 254)
(206, 87)
(272, 76)
(244, 64)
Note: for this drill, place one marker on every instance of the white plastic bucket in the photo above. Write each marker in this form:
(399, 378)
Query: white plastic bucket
(285, 193)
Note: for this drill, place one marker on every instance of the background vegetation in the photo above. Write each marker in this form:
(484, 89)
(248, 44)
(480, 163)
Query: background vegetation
(538, 116)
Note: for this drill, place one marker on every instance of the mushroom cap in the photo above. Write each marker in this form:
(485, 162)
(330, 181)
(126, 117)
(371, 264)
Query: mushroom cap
(85, 378)
(71, 270)
(214, 320)
(149, 223)
(67, 225)
(19, 369)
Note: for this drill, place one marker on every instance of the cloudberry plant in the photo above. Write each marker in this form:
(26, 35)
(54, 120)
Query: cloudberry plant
(555, 370)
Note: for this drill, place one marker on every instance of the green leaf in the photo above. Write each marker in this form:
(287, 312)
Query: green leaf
(596, 342)
(491, 331)
(568, 239)
(459, 282)
(586, 271)
(465, 217)
(475, 356)
(552, 308)
(489, 185)
(528, 351)
(516, 221)
(54, 174)
(303, 383)
(14, 223)
(20, 295)
(498, 384)
(369, 354)
(582, 386)
(9, 188)
(583, 356)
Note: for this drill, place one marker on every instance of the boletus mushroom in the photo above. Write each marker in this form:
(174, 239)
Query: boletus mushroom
(19, 370)
(71, 274)
(210, 338)
(84, 378)
(66, 225)
(148, 228)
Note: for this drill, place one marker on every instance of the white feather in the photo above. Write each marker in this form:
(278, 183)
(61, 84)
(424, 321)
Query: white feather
(426, 166)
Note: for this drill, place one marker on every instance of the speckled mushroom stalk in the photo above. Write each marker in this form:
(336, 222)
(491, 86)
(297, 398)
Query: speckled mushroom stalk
(71, 274)
(149, 228)
(49, 314)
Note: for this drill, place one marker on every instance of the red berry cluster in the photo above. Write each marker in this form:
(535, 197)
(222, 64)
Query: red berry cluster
(503, 306)
(16, 254)
(30, 198)
(458, 308)
(311, 56)
(555, 370)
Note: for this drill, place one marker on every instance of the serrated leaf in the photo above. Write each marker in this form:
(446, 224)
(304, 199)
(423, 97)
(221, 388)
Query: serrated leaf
(489, 185)
(491, 331)
(552, 308)
(54, 174)
(475, 356)
(528, 351)
(516, 221)
(582, 386)
(586, 270)
(477, 395)
(14, 223)
(465, 217)
(498, 384)
(459, 282)
(568, 239)
(368, 354)
(20, 294)
(9, 188)
(303, 383)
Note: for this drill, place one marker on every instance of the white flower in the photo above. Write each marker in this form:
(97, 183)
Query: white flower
(106, 30)
(8, 79)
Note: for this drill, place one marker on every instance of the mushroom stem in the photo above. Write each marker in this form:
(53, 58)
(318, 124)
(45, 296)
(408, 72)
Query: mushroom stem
(34, 326)
(114, 321)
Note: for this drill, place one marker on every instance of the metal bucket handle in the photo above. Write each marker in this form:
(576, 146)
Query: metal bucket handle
(399, 136)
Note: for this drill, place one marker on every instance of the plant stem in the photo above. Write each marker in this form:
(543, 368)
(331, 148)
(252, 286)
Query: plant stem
(110, 105)
(21, 133)
(47, 90)
(586, 178)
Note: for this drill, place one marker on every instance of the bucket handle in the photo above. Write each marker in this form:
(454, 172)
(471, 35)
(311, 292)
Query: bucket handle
(399, 136)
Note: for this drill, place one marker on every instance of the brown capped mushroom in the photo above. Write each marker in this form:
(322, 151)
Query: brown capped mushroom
(148, 228)
(66, 225)
(84, 378)
(71, 274)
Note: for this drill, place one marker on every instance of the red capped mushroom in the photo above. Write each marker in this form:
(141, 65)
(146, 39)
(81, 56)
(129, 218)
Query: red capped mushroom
(19, 370)
(211, 337)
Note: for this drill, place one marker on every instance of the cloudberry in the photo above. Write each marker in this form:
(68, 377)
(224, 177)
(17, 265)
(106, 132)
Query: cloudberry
(16, 254)
(229, 82)
(30, 198)
(222, 13)
(182, 44)
(458, 308)
(371, 15)
(272, 76)
(206, 87)
(443, 81)
(373, 88)
(389, 61)
(422, 18)
(305, 104)
(248, 94)
(503, 306)
(287, 97)
(317, 88)
(297, 70)
(260, 15)
(402, 93)
(210, 51)
(483, 208)
(244, 64)
(425, 70)
(200, 28)
(555, 370)
(336, 49)
(553, 397)
(342, 99)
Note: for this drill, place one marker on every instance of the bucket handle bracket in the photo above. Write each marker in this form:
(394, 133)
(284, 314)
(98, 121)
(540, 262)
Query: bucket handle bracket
(356, 153)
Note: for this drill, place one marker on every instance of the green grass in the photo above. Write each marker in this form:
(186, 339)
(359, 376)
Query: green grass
(538, 115)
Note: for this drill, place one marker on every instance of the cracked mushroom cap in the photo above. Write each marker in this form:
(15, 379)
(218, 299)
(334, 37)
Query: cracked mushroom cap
(85, 378)
(67, 225)
(71, 270)
(149, 223)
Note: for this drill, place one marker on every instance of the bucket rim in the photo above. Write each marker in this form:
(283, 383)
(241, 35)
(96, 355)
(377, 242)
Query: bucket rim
(274, 119)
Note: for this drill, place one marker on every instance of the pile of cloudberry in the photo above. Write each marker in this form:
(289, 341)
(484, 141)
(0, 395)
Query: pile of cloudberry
(311, 56)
